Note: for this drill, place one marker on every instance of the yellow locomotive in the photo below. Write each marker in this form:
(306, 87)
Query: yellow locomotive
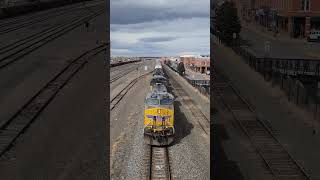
(159, 118)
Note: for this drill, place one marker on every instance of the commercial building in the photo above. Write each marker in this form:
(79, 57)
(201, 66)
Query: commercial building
(197, 63)
(294, 17)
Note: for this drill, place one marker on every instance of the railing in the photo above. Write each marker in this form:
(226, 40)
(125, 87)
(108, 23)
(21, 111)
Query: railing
(292, 67)
(202, 85)
(289, 75)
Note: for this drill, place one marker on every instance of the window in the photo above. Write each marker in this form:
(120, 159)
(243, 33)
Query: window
(152, 101)
(166, 101)
(305, 5)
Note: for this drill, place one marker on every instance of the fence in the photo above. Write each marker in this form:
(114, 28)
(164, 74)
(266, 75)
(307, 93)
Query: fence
(294, 67)
(289, 75)
(202, 85)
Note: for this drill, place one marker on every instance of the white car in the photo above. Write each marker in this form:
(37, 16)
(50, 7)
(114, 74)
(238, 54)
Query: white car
(314, 36)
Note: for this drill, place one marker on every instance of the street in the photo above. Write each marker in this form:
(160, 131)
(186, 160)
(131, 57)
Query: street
(295, 49)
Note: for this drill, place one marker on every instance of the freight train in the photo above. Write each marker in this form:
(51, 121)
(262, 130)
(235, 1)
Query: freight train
(159, 112)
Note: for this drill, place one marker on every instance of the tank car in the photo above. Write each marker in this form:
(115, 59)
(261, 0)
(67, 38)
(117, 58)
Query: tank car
(159, 118)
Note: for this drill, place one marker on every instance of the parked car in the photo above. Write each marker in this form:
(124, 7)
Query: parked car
(314, 36)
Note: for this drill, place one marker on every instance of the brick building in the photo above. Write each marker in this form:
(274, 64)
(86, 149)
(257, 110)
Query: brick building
(295, 17)
(197, 63)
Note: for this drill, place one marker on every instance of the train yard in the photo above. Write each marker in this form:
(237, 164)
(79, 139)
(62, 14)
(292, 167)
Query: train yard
(277, 159)
(47, 61)
(188, 155)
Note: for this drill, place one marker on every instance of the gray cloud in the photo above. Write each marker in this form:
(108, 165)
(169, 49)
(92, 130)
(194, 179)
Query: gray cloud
(159, 27)
(168, 25)
(133, 12)
(140, 15)
(158, 39)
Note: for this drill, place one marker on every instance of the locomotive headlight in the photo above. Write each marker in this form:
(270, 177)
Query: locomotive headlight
(159, 111)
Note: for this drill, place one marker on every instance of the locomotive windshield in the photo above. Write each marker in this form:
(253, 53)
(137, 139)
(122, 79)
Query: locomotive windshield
(152, 101)
(166, 101)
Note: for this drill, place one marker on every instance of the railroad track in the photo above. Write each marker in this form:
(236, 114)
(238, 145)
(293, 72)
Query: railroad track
(11, 46)
(13, 128)
(191, 106)
(157, 164)
(276, 158)
(24, 40)
(122, 74)
(18, 23)
(15, 51)
(115, 101)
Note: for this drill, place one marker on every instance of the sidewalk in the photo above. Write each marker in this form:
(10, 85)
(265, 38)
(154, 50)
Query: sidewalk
(281, 46)
(281, 36)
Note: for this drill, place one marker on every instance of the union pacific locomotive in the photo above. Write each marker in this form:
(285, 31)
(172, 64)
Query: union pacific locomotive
(159, 111)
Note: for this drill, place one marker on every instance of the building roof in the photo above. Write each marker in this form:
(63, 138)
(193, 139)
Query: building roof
(188, 55)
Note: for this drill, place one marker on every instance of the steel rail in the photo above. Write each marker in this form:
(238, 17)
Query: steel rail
(122, 74)
(197, 114)
(276, 158)
(19, 53)
(14, 127)
(115, 100)
(10, 26)
(20, 42)
(157, 164)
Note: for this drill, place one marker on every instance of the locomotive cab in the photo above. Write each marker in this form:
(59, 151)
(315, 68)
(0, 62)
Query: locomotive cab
(159, 118)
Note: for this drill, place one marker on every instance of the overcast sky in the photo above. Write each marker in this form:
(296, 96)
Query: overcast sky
(159, 27)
